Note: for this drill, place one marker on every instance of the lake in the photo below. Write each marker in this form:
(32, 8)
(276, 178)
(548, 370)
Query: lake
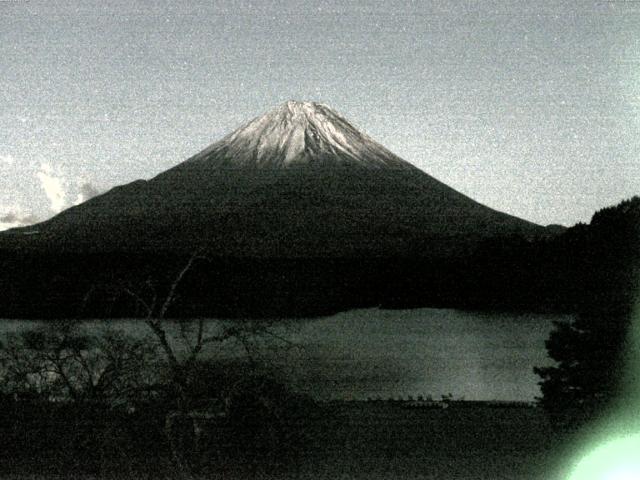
(397, 353)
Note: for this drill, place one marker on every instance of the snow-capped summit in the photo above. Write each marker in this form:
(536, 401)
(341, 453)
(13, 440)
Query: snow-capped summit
(299, 133)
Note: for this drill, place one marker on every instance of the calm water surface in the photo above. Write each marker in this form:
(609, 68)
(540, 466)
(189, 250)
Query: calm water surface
(393, 353)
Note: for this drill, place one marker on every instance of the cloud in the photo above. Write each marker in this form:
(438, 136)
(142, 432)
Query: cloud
(87, 191)
(60, 191)
(53, 187)
(14, 219)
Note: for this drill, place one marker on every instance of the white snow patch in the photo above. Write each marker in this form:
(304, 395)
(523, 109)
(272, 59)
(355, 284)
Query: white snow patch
(297, 132)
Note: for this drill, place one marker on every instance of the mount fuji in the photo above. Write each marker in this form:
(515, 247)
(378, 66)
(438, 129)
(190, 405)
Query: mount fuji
(298, 181)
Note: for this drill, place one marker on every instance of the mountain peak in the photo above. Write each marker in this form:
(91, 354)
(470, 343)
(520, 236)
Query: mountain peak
(298, 133)
(296, 106)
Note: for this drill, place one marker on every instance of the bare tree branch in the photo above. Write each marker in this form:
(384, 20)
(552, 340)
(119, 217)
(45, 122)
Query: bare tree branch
(170, 298)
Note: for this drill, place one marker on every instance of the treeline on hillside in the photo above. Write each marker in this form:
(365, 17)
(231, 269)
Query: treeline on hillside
(592, 351)
(552, 273)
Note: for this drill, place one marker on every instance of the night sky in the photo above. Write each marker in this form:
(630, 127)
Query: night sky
(530, 107)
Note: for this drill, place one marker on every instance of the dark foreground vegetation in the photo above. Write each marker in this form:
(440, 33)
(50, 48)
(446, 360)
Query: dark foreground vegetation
(592, 351)
(73, 402)
(339, 440)
(149, 439)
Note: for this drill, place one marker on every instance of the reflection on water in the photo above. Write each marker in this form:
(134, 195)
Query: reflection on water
(386, 353)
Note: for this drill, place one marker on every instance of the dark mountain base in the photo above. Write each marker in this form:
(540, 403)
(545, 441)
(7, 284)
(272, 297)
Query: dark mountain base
(96, 286)
(562, 273)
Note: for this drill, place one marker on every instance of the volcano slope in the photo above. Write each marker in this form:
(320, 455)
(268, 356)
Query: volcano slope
(297, 212)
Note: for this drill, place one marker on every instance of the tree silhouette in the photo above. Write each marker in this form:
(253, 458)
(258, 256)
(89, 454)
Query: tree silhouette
(590, 350)
(198, 394)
